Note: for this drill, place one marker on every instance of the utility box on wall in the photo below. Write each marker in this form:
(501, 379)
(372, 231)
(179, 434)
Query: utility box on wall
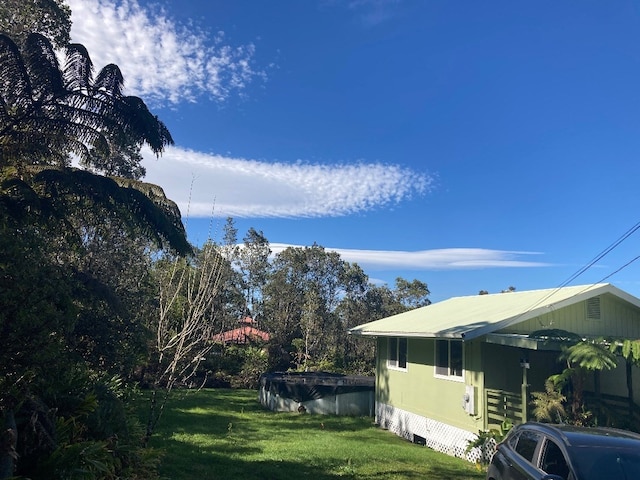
(469, 399)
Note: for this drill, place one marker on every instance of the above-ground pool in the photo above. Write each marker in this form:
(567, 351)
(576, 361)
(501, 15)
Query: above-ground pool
(318, 392)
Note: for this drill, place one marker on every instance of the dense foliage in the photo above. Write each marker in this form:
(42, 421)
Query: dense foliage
(74, 264)
(565, 399)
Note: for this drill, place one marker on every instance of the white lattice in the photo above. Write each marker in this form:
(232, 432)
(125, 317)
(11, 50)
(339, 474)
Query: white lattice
(436, 435)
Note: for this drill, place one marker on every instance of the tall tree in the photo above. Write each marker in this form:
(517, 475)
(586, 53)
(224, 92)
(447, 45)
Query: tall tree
(253, 262)
(412, 294)
(51, 18)
(301, 299)
(63, 222)
(47, 112)
(231, 304)
(230, 249)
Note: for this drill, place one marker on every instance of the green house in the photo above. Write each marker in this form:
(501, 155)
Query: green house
(448, 370)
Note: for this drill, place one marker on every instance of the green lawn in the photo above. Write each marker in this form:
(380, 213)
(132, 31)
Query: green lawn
(226, 434)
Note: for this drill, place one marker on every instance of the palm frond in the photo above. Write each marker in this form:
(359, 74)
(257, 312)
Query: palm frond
(591, 356)
(549, 405)
(556, 335)
(153, 216)
(18, 199)
(109, 80)
(42, 107)
(78, 70)
(15, 86)
(144, 124)
(43, 67)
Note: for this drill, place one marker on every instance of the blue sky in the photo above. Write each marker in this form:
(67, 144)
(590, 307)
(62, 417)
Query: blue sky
(470, 145)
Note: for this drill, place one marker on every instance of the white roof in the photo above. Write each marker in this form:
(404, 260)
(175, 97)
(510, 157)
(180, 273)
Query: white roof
(472, 316)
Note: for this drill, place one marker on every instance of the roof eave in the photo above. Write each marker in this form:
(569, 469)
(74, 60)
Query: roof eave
(460, 335)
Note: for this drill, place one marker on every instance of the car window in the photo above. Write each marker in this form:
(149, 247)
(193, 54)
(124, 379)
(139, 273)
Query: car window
(606, 463)
(553, 461)
(527, 442)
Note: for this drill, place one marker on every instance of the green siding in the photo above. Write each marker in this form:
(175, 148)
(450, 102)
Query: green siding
(618, 318)
(417, 390)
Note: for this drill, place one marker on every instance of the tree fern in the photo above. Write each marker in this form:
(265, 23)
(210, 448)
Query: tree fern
(591, 356)
(48, 112)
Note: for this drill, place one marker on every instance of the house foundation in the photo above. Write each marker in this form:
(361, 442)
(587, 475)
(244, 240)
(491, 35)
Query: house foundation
(425, 431)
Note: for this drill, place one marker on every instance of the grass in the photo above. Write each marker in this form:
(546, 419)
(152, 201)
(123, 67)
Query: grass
(226, 434)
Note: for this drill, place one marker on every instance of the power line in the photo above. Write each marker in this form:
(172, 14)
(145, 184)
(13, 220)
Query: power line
(601, 255)
(619, 269)
(586, 267)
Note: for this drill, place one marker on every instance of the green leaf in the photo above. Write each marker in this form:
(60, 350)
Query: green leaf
(591, 356)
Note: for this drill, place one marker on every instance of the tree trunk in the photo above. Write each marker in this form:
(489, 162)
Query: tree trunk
(8, 441)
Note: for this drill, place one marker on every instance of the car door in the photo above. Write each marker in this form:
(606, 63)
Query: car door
(553, 460)
(523, 464)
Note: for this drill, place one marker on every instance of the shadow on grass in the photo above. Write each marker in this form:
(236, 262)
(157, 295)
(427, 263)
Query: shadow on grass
(220, 465)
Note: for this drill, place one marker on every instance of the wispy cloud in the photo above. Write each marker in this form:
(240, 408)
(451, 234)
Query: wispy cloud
(161, 60)
(437, 259)
(165, 62)
(369, 13)
(239, 187)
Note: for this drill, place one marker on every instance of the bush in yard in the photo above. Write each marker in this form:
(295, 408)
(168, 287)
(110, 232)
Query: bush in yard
(255, 363)
(80, 428)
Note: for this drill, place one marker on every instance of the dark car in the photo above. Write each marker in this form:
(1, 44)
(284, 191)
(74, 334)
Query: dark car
(543, 451)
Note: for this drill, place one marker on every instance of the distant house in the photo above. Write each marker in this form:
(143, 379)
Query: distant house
(247, 333)
(453, 368)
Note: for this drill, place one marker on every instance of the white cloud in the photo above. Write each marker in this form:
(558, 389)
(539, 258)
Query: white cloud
(161, 60)
(164, 62)
(436, 259)
(238, 187)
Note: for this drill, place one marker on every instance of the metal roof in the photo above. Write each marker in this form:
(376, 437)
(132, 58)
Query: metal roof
(473, 316)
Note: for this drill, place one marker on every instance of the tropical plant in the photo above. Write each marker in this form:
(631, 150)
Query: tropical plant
(255, 363)
(564, 397)
(48, 111)
(64, 309)
(486, 441)
(630, 351)
(548, 406)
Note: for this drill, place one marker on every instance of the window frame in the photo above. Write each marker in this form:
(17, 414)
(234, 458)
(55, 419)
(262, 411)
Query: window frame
(400, 351)
(438, 364)
(564, 469)
(528, 439)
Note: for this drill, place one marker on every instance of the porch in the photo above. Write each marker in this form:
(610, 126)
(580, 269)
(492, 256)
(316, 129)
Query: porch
(503, 406)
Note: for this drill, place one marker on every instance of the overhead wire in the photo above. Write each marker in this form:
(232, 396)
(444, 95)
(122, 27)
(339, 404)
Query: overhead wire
(618, 270)
(586, 267)
(601, 255)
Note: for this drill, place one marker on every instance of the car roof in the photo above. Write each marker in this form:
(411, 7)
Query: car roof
(588, 436)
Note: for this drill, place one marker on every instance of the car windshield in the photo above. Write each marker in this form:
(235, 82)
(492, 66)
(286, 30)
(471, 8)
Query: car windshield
(598, 463)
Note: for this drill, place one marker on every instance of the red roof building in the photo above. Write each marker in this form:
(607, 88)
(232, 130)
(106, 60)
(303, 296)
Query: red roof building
(244, 334)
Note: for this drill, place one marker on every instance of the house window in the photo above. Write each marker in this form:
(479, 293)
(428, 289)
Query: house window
(449, 358)
(397, 353)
